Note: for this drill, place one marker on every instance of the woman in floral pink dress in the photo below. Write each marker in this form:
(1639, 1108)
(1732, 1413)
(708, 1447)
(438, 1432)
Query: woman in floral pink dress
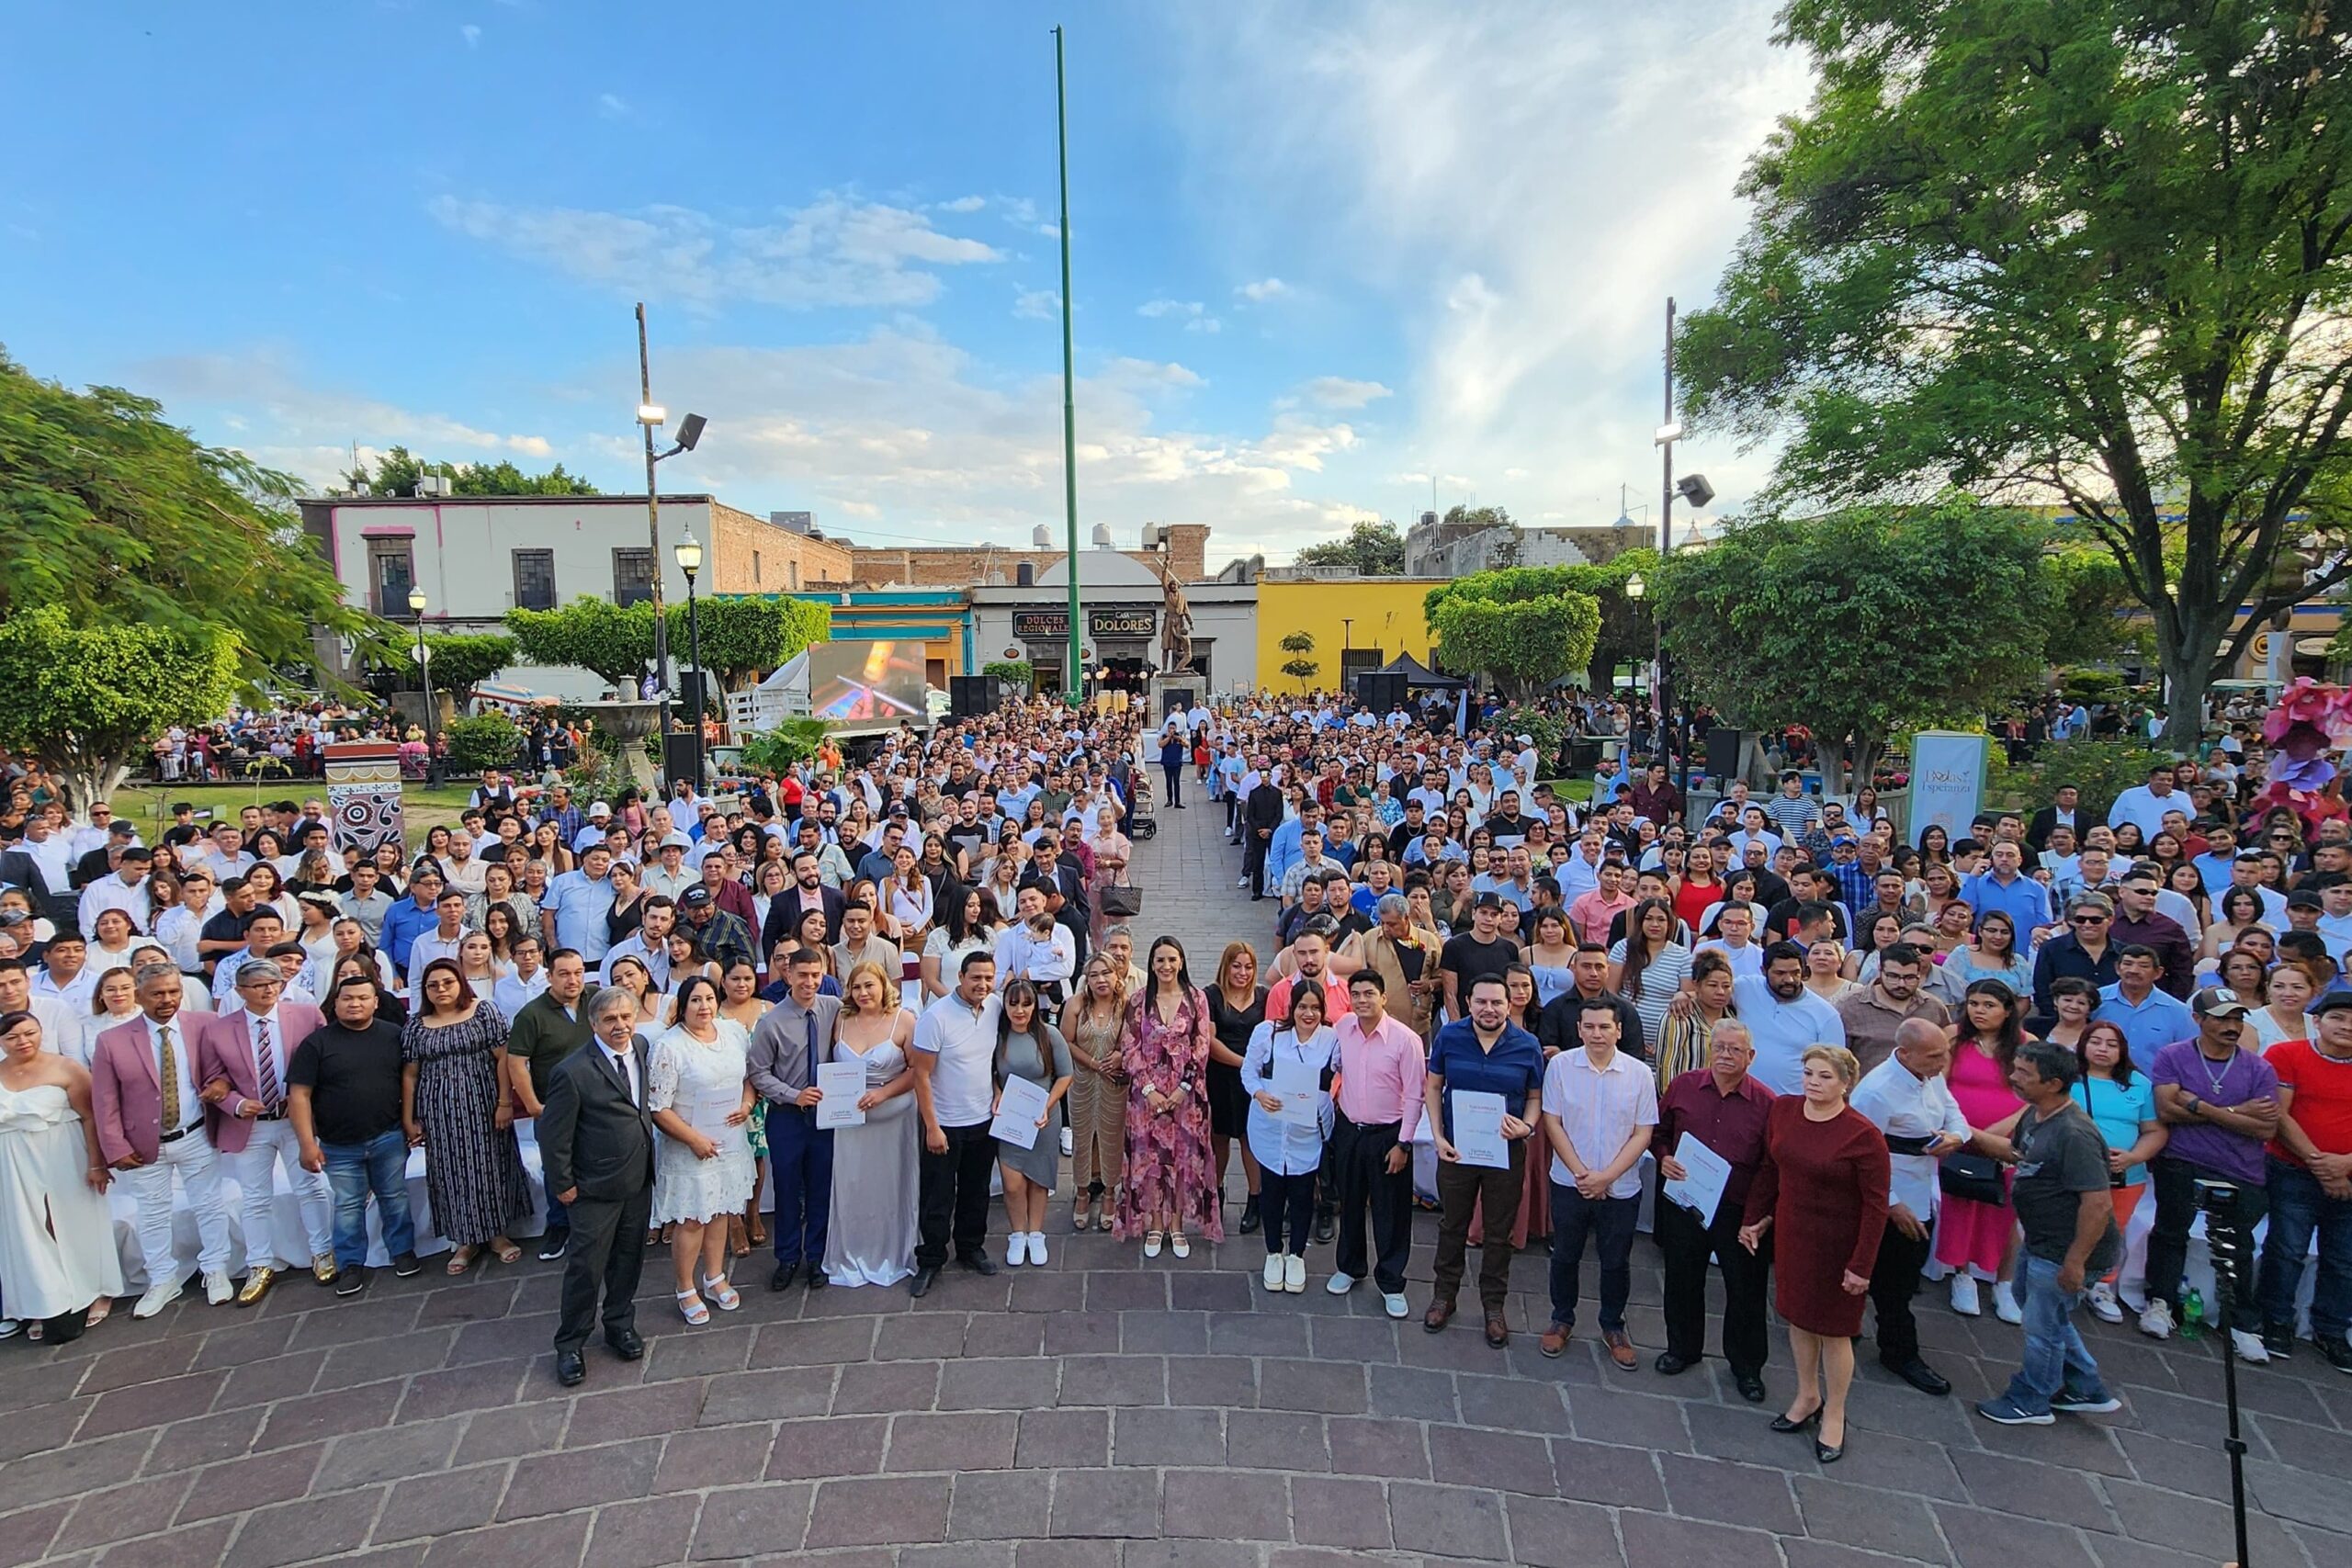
(1165, 1049)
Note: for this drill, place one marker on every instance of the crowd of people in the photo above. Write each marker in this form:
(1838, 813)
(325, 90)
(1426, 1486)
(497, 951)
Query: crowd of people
(866, 999)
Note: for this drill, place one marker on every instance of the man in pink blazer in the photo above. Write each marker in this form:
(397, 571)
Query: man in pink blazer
(144, 1092)
(242, 1057)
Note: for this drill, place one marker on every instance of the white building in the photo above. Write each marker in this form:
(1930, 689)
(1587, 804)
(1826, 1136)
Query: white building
(479, 556)
(1120, 607)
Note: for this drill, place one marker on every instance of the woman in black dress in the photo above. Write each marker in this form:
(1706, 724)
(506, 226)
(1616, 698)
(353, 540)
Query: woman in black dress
(1237, 1007)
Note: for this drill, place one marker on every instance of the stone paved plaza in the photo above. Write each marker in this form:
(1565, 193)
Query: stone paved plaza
(1097, 1412)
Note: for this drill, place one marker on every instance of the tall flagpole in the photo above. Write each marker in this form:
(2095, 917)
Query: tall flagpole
(1075, 674)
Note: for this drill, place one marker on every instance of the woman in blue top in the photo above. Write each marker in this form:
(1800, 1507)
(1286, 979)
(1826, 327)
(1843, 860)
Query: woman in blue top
(2123, 1105)
(1288, 1152)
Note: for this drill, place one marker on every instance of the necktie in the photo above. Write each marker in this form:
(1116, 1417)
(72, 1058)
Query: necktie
(810, 1019)
(266, 1065)
(171, 1081)
(620, 1070)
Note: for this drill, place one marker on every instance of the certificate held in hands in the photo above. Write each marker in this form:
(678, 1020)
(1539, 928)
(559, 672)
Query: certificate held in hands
(1017, 1111)
(840, 1083)
(1478, 1130)
(1704, 1174)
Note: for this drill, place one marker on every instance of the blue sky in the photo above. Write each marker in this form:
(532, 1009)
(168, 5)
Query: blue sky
(1322, 252)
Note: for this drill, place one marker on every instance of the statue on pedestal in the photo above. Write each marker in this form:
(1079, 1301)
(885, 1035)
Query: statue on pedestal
(1175, 624)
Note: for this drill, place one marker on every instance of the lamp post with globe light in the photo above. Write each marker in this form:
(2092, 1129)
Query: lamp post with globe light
(689, 552)
(425, 680)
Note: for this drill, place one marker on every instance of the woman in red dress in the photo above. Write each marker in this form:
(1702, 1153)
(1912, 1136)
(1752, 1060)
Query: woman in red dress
(1821, 1191)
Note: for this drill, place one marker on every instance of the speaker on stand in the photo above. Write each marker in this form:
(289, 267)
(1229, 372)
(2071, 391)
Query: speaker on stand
(1723, 754)
(971, 697)
(1380, 691)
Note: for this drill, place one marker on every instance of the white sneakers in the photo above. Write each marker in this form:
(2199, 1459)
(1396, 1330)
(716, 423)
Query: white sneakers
(1274, 1274)
(1340, 1284)
(1016, 1249)
(2104, 1306)
(2155, 1322)
(2250, 1348)
(2005, 1303)
(218, 1291)
(1395, 1306)
(1963, 1296)
(159, 1295)
(1294, 1273)
(1036, 1247)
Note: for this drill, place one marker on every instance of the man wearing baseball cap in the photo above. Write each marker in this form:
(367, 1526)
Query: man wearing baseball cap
(2221, 1103)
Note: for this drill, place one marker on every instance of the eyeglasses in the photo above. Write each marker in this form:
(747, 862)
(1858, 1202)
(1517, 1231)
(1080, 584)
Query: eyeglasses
(2086, 921)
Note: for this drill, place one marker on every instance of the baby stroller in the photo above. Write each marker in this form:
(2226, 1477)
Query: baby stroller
(1141, 823)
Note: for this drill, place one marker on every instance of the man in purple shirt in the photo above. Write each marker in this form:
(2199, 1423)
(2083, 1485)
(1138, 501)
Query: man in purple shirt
(2137, 923)
(2220, 1103)
(1723, 1108)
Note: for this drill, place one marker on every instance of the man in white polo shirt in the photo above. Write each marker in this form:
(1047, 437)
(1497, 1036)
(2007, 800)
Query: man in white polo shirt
(955, 1050)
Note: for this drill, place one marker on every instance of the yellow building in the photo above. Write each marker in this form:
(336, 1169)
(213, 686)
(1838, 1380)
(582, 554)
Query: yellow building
(1358, 623)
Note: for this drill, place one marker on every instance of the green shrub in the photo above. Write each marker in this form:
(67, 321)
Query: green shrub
(2101, 768)
(794, 740)
(489, 740)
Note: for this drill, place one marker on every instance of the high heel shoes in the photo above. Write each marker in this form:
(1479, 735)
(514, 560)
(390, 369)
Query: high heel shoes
(1827, 1454)
(1802, 1424)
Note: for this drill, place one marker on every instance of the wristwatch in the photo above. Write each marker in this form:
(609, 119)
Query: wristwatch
(2196, 1106)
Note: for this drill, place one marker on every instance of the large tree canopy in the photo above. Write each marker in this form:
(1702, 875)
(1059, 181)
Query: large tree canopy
(397, 472)
(1863, 623)
(2092, 253)
(117, 517)
(1524, 626)
(1370, 549)
(87, 700)
(740, 636)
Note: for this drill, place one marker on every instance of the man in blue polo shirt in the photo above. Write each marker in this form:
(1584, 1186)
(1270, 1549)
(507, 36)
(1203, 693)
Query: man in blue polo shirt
(2150, 1019)
(2008, 888)
(573, 912)
(1486, 1053)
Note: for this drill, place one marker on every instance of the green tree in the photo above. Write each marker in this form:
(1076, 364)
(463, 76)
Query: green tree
(794, 740)
(485, 741)
(87, 701)
(596, 634)
(1370, 549)
(1298, 667)
(459, 662)
(1863, 623)
(2099, 253)
(1524, 626)
(741, 635)
(120, 519)
(397, 472)
(1460, 516)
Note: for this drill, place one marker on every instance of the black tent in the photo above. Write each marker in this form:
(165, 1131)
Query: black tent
(1419, 676)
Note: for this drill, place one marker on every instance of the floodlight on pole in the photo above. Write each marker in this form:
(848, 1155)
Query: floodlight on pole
(652, 413)
(1667, 434)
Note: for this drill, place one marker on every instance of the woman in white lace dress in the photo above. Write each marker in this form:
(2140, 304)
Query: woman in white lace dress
(701, 1097)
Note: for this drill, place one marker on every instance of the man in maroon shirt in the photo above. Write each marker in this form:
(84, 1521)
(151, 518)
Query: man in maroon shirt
(2137, 923)
(1723, 1108)
(1656, 798)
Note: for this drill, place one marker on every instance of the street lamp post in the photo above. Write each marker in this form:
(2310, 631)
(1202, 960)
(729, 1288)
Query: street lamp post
(651, 416)
(690, 562)
(425, 680)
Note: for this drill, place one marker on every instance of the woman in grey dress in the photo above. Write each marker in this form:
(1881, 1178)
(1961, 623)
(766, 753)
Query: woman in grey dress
(870, 1237)
(1029, 1047)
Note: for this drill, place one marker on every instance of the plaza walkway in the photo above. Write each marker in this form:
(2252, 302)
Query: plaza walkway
(1095, 1413)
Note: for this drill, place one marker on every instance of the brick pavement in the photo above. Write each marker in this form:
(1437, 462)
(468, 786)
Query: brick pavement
(1097, 1412)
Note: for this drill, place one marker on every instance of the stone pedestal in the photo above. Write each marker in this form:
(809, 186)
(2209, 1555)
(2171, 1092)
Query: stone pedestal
(629, 725)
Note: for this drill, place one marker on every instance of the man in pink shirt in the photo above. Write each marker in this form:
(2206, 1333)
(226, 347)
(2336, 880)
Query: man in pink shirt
(1596, 911)
(1382, 1068)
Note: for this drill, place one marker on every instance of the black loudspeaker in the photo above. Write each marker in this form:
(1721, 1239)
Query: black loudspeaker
(1723, 754)
(691, 695)
(1380, 691)
(971, 697)
(678, 757)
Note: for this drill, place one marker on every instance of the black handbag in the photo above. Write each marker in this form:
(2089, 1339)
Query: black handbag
(1977, 1178)
(1119, 902)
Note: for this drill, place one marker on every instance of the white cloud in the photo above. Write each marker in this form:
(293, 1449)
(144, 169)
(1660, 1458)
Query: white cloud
(612, 105)
(964, 204)
(471, 33)
(1338, 392)
(1036, 304)
(1192, 312)
(1263, 290)
(1522, 225)
(309, 430)
(834, 252)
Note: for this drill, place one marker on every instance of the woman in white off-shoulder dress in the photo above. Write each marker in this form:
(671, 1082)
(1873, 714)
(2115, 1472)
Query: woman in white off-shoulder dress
(701, 1096)
(57, 1255)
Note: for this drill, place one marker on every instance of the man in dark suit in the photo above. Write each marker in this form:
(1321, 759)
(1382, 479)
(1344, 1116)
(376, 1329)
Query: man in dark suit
(807, 892)
(596, 1149)
(1261, 813)
(2037, 833)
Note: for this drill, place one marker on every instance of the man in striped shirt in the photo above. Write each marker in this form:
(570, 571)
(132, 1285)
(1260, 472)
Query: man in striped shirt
(1793, 811)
